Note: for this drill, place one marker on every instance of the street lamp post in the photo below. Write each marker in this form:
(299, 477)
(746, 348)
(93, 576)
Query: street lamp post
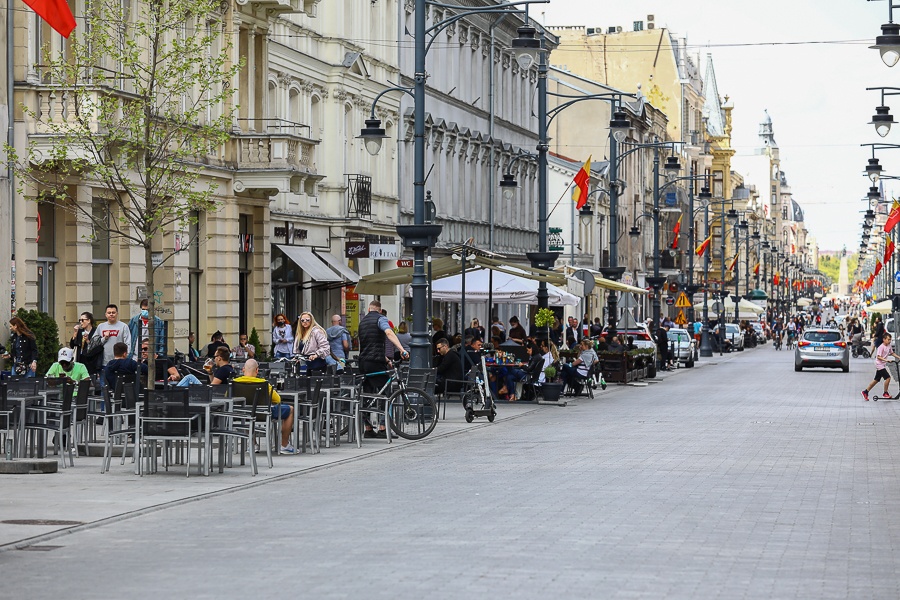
(705, 346)
(420, 236)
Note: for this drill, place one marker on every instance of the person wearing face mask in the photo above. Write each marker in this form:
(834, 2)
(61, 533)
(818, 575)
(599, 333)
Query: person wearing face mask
(282, 337)
(139, 328)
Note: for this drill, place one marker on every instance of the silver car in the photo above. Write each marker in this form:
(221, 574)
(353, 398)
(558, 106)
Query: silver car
(734, 333)
(822, 348)
(681, 343)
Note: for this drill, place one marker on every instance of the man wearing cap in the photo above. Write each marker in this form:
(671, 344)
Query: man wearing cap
(65, 366)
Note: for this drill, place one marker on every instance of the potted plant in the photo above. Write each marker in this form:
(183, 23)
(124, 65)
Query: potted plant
(552, 387)
(543, 319)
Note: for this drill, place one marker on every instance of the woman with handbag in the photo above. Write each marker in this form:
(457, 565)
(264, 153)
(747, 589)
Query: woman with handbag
(22, 348)
(312, 342)
(87, 344)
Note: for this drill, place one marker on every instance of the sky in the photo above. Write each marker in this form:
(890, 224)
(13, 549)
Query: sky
(770, 55)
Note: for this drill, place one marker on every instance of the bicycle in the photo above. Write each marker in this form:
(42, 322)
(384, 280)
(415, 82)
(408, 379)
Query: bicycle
(411, 412)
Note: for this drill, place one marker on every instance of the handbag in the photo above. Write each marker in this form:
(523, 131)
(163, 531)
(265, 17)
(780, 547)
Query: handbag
(94, 347)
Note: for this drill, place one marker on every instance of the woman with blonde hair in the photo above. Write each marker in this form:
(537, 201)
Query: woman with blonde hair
(311, 342)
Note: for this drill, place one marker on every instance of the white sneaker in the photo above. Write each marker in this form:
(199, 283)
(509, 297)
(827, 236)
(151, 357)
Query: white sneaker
(289, 449)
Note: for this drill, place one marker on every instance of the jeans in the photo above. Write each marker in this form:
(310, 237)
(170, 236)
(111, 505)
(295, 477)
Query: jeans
(283, 354)
(189, 379)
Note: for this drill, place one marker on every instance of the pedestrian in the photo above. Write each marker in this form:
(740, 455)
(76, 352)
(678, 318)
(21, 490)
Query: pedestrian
(193, 353)
(139, 328)
(87, 345)
(883, 353)
(373, 329)
(339, 339)
(404, 335)
(312, 342)
(516, 331)
(282, 337)
(112, 331)
(216, 341)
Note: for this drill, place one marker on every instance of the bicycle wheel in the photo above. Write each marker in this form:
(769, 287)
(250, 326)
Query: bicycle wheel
(412, 413)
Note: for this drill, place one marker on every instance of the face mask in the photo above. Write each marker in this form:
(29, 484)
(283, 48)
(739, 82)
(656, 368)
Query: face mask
(145, 313)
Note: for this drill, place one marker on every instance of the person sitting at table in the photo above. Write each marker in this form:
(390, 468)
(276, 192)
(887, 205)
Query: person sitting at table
(164, 371)
(121, 364)
(516, 331)
(448, 369)
(577, 371)
(286, 412)
(615, 345)
(217, 340)
(223, 372)
(65, 366)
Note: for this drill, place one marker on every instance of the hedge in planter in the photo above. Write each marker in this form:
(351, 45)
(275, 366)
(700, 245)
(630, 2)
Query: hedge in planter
(46, 335)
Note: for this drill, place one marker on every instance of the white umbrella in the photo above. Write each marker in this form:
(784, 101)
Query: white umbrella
(508, 289)
(882, 308)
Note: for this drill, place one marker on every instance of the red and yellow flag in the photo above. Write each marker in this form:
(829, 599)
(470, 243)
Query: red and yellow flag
(582, 178)
(703, 247)
(888, 248)
(776, 279)
(56, 13)
(756, 269)
(675, 233)
(893, 217)
(877, 268)
(733, 263)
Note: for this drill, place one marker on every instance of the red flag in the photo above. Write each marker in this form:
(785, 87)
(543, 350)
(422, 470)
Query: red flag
(582, 178)
(756, 269)
(888, 248)
(776, 279)
(869, 281)
(877, 268)
(893, 217)
(733, 262)
(675, 233)
(56, 13)
(703, 247)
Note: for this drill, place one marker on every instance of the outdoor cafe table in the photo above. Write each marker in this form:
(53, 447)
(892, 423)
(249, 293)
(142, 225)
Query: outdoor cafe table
(24, 403)
(207, 406)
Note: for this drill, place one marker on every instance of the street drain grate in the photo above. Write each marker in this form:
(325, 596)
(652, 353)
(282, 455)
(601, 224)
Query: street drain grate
(39, 548)
(868, 424)
(44, 522)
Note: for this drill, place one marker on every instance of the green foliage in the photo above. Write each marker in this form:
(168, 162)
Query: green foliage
(831, 266)
(550, 373)
(46, 334)
(253, 340)
(544, 317)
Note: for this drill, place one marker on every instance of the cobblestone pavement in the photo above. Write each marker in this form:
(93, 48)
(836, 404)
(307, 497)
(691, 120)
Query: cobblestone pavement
(741, 479)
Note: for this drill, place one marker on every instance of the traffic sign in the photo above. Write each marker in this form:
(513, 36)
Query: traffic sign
(670, 300)
(681, 319)
(683, 301)
(897, 276)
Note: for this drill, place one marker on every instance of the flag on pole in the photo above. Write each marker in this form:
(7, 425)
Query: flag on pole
(582, 178)
(888, 248)
(703, 246)
(893, 217)
(877, 268)
(56, 13)
(733, 263)
(756, 269)
(675, 233)
(776, 279)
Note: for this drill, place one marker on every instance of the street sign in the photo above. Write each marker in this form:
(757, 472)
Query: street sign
(670, 301)
(683, 301)
(897, 276)
(405, 262)
(681, 319)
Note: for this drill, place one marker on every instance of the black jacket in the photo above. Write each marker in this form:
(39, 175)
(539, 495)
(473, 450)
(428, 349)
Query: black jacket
(371, 338)
(23, 349)
(449, 367)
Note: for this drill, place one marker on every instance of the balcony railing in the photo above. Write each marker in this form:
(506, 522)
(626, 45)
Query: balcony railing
(275, 144)
(359, 196)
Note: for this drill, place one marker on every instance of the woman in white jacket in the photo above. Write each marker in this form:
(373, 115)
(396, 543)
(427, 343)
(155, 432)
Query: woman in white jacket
(311, 342)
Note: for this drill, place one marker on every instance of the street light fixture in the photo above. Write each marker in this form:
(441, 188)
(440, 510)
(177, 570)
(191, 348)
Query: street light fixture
(421, 236)
(619, 126)
(874, 194)
(873, 170)
(888, 43)
(527, 46)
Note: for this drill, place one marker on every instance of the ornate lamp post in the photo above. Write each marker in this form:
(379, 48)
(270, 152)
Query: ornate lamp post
(420, 236)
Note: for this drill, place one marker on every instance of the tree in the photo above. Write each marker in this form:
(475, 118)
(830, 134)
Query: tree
(150, 90)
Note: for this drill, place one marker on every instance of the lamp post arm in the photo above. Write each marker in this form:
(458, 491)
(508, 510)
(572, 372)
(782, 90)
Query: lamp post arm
(657, 145)
(438, 27)
(516, 158)
(612, 98)
(398, 88)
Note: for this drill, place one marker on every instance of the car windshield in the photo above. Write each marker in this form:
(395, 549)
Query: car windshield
(731, 328)
(678, 336)
(822, 336)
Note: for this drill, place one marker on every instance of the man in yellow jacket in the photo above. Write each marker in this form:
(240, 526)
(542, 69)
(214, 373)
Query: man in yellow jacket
(286, 412)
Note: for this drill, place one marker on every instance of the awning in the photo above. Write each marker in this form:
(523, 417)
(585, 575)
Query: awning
(335, 263)
(311, 264)
(607, 284)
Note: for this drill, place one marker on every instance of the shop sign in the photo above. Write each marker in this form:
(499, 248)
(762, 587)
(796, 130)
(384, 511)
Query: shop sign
(356, 249)
(384, 251)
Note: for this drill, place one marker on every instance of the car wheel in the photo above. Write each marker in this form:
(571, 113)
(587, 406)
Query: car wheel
(798, 368)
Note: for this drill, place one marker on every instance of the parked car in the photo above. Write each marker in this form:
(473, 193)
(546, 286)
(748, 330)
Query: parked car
(681, 344)
(822, 348)
(733, 332)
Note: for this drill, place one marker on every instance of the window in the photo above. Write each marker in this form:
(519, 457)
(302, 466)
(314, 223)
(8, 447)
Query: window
(100, 256)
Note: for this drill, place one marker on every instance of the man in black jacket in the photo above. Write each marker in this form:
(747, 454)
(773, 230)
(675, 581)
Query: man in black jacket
(374, 332)
(449, 367)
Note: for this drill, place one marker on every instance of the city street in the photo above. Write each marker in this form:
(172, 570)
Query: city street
(739, 479)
